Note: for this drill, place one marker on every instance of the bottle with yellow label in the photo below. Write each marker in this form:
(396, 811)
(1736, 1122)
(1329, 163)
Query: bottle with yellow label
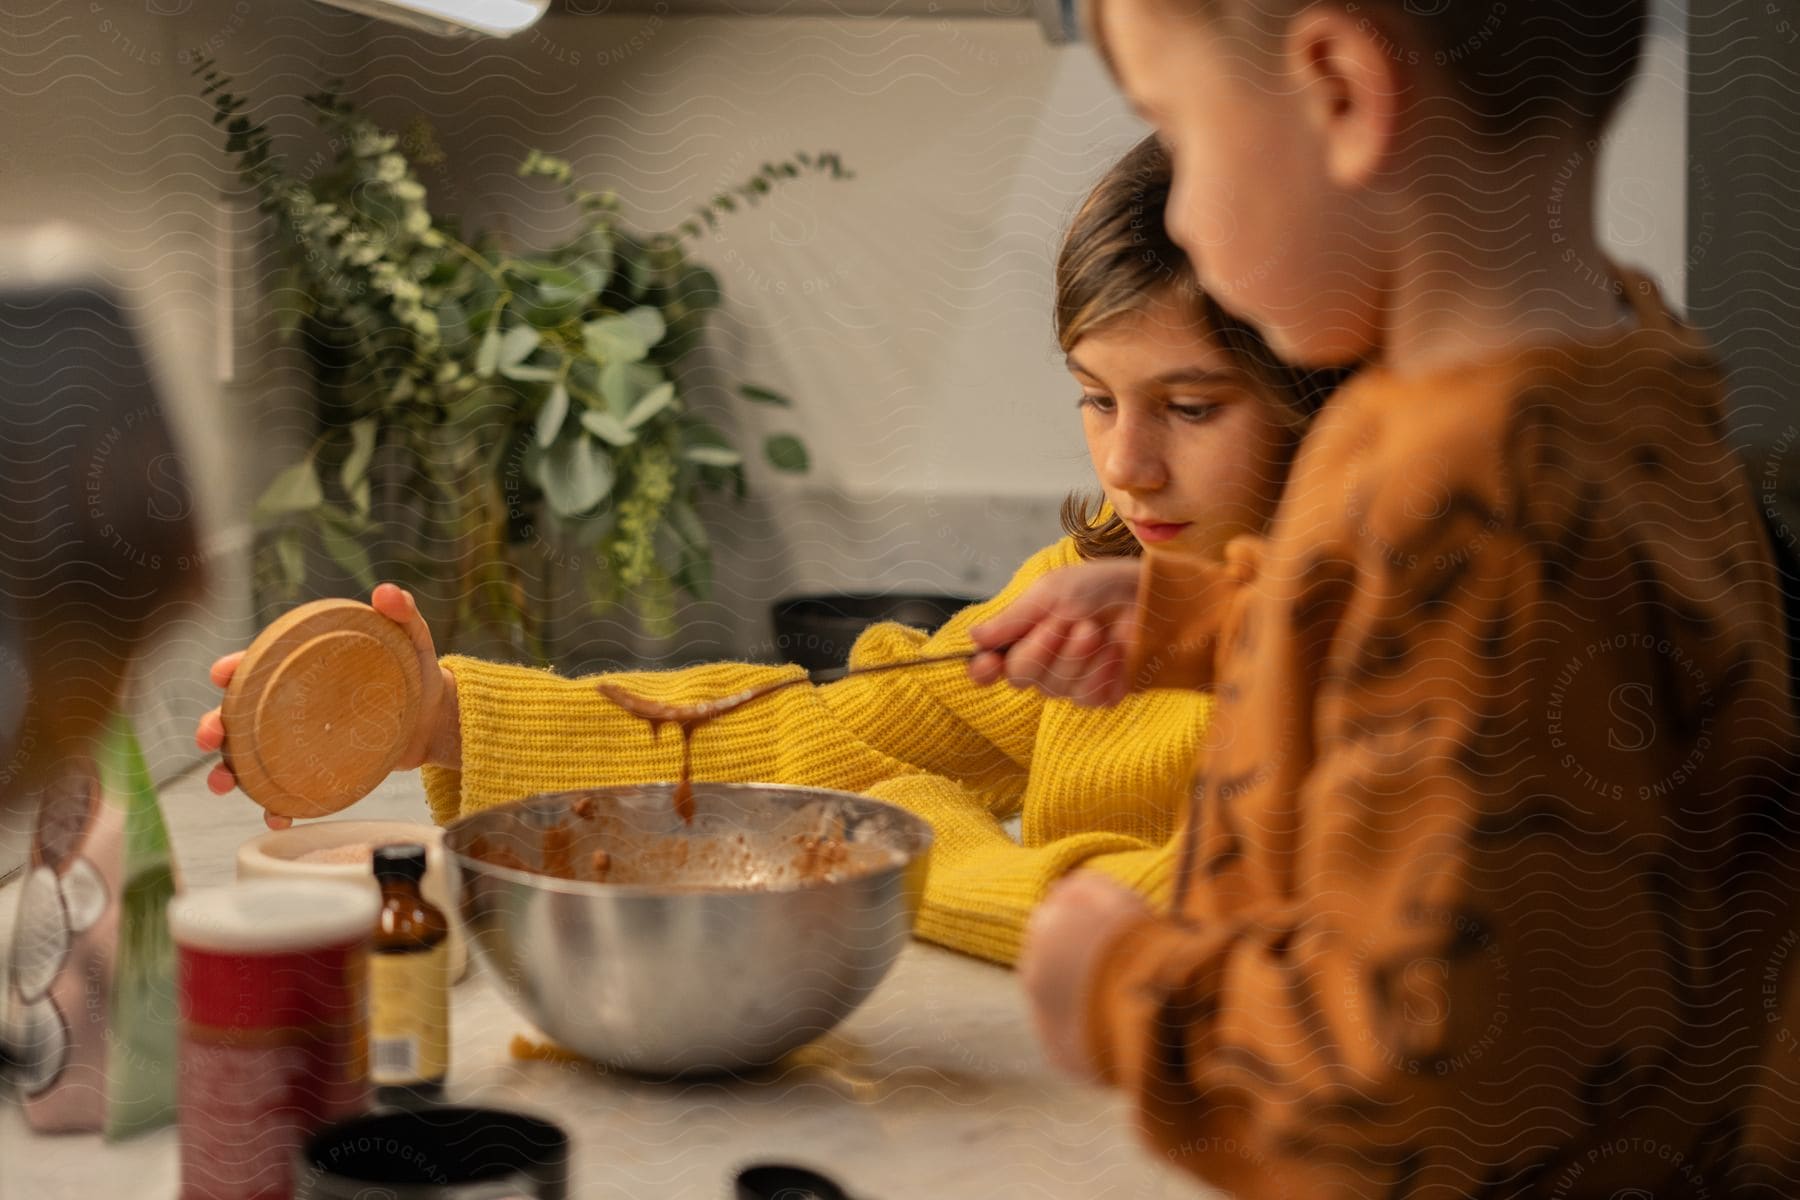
(409, 983)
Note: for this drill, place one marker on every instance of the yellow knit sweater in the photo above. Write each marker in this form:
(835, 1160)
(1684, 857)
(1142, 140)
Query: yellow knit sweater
(1097, 788)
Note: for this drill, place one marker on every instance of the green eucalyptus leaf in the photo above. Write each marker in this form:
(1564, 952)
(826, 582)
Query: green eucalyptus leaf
(713, 456)
(348, 553)
(555, 281)
(693, 294)
(632, 270)
(605, 425)
(649, 323)
(786, 452)
(575, 283)
(696, 575)
(516, 345)
(550, 418)
(403, 390)
(488, 357)
(342, 519)
(584, 376)
(651, 403)
(480, 407)
(762, 395)
(453, 324)
(597, 260)
(290, 556)
(295, 490)
(548, 314)
(697, 289)
(623, 384)
(555, 296)
(576, 475)
(479, 300)
(615, 339)
(362, 450)
(687, 525)
(591, 271)
(718, 479)
(525, 374)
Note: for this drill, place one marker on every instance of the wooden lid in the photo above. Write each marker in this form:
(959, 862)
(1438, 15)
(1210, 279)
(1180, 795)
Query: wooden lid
(321, 708)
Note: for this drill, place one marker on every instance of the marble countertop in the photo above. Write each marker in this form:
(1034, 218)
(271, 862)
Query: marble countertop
(934, 1088)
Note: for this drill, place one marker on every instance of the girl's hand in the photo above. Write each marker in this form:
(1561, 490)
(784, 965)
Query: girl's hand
(435, 739)
(1067, 636)
(1071, 929)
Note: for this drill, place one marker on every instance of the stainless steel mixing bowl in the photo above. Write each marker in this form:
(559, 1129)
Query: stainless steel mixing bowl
(713, 947)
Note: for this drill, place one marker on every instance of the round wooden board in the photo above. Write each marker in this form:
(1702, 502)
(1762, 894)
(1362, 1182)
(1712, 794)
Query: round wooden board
(321, 707)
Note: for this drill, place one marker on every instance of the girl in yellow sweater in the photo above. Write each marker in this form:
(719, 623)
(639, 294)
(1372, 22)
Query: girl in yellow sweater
(1190, 422)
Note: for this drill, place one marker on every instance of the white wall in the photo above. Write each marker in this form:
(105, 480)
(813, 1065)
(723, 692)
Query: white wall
(1644, 196)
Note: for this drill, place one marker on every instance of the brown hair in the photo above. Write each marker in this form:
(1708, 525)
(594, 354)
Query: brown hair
(1116, 259)
(1512, 65)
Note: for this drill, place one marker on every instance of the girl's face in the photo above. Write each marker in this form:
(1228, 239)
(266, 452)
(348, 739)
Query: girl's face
(1189, 451)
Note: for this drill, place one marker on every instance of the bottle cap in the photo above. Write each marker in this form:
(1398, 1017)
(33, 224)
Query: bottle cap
(272, 916)
(403, 860)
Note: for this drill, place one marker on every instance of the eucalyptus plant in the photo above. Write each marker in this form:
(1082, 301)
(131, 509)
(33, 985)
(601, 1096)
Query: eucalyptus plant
(519, 389)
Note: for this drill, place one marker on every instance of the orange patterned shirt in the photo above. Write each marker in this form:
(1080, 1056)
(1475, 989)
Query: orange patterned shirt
(1491, 884)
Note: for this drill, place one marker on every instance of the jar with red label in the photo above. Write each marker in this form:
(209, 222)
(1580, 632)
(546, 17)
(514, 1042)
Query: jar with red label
(273, 979)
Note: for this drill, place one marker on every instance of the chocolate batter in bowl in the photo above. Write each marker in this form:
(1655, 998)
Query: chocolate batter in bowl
(668, 947)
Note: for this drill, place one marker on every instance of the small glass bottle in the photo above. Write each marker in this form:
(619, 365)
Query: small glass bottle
(409, 983)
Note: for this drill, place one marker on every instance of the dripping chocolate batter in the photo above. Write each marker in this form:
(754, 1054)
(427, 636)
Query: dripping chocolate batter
(688, 718)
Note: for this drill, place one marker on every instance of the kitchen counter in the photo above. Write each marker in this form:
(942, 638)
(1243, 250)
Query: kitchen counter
(934, 1088)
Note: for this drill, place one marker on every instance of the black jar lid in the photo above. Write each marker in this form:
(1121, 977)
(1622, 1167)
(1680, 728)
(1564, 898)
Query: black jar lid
(403, 860)
(435, 1153)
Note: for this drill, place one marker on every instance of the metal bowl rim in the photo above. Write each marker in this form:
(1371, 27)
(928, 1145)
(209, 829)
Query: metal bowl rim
(581, 887)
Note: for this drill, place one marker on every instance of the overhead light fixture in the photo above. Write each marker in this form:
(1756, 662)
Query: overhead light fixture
(492, 18)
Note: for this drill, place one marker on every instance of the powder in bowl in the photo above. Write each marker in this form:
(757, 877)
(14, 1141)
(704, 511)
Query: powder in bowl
(349, 854)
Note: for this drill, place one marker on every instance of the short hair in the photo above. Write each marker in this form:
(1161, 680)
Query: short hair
(1515, 63)
(1518, 62)
(1116, 260)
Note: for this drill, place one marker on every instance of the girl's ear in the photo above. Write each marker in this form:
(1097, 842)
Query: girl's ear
(1350, 84)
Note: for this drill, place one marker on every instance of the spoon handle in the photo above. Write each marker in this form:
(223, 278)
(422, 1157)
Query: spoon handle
(837, 673)
(833, 674)
(698, 714)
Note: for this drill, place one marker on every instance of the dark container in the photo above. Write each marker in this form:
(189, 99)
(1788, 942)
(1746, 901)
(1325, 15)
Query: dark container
(436, 1154)
(816, 632)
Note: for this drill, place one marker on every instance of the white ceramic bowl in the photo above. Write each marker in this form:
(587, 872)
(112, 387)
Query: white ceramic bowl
(278, 855)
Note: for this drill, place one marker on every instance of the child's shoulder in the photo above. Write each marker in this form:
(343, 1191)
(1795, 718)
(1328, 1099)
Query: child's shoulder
(1568, 447)
(1645, 399)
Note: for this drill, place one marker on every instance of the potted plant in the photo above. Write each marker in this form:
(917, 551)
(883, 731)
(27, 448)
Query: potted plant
(520, 393)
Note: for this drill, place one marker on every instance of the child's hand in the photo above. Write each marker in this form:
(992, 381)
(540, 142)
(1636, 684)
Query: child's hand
(1075, 923)
(431, 739)
(1067, 636)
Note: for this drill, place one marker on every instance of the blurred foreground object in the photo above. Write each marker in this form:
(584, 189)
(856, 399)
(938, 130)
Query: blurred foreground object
(450, 18)
(97, 539)
(88, 1008)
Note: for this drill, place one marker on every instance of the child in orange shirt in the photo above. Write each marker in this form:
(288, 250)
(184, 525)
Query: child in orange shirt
(1491, 887)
